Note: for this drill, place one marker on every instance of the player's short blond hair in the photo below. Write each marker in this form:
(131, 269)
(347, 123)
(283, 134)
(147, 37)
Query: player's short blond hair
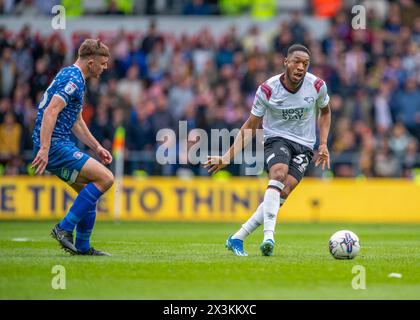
(92, 47)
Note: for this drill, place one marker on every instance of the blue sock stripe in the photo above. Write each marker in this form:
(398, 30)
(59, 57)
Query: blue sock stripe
(89, 196)
(93, 190)
(84, 229)
(73, 218)
(83, 235)
(84, 204)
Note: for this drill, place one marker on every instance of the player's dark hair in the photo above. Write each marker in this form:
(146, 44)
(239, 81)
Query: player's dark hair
(298, 47)
(92, 47)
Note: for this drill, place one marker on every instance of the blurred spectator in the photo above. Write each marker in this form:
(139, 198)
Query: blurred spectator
(14, 166)
(406, 107)
(409, 11)
(131, 87)
(344, 148)
(150, 38)
(140, 137)
(411, 159)
(23, 59)
(113, 8)
(180, 96)
(197, 7)
(382, 111)
(101, 126)
(254, 41)
(7, 72)
(10, 137)
(297, 28)
(27, 8)
(399, 141)
(6, 6)
(162, 118)
(367, 152)
(283, 38)
(40, 79)
(416, 31)
(385, 162)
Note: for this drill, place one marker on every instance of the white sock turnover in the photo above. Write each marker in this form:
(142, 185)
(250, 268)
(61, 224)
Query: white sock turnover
(251, 224)
(271, 207)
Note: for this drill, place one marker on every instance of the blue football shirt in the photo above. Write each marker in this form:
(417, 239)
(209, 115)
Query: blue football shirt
(68, 85)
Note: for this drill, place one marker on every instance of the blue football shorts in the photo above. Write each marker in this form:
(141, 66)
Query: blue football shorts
(65, 161)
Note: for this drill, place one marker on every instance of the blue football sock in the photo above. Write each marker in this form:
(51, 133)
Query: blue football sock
(84, 230)
(84, 202)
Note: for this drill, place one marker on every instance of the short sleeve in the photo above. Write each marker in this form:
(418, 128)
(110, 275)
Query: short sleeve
(261, 99)
(323, 97)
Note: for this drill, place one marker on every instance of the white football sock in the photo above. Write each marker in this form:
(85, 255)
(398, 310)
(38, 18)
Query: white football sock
(271, 207)
(252, 223)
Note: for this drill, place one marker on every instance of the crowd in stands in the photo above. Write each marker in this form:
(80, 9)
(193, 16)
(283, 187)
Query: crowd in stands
(155, 79)
(77, 8)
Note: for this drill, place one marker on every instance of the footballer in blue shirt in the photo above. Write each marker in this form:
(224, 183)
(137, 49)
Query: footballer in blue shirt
(59, 115)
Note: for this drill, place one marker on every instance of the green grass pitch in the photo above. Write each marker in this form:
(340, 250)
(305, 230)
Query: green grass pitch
(179, 261)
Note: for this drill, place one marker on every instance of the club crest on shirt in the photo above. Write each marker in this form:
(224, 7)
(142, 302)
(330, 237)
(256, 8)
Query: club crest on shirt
(309, 99)
(70, 87)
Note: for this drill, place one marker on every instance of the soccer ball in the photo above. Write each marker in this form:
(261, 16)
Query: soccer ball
(344, 244)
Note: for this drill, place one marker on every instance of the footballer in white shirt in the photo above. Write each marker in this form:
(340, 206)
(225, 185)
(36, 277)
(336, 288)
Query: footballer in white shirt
(287, 106)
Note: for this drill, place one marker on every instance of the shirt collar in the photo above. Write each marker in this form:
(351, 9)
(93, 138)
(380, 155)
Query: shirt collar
(298, 87)
(80, 72)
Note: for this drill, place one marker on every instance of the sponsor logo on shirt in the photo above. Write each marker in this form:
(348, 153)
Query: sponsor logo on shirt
(294, 114)
(65, 173)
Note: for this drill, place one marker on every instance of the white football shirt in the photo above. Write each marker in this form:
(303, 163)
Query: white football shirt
(287, 114)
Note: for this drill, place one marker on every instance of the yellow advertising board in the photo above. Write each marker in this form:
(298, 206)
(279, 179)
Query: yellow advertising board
(207, 199)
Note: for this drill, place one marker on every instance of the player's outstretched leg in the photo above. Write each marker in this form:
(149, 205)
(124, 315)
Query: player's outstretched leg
(246, 229)
(98, 175)
(237, 246)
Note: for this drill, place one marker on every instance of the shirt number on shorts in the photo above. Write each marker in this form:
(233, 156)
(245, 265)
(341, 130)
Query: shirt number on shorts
(302, 161)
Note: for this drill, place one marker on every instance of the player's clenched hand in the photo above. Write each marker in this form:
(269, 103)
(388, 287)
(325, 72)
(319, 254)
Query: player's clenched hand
(41, 160)
(323, 157)
(104, 154)
(215, 163)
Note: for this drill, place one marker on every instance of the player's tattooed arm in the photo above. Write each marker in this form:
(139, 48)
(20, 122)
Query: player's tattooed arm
(49, 119)
(324, 129)
(247, 132)
(82, 132)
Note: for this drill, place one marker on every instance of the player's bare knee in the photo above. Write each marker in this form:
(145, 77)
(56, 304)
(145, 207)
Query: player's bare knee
(279, 175)
(107, 180)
